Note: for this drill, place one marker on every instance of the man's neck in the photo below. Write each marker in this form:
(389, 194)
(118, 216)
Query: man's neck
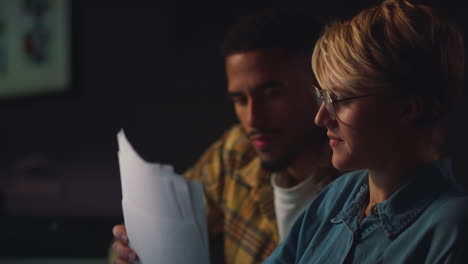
(305, 164)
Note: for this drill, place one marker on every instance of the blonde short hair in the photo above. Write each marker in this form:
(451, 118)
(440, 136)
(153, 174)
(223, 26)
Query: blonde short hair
(396, 47)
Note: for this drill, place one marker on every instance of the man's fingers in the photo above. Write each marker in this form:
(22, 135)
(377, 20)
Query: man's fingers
(120, 261)
(120, 233)
(123, 252)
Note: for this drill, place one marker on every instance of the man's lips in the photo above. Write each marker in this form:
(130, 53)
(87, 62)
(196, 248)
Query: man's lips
(261, 141)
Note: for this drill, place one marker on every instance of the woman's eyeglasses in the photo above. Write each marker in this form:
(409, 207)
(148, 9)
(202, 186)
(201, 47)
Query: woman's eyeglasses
(329, 100)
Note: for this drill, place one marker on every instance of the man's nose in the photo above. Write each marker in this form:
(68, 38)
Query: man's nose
(256, 114)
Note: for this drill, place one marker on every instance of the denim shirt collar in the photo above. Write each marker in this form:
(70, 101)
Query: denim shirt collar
(403, 207)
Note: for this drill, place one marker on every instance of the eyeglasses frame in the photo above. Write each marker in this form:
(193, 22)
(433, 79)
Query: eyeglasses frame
(323, 96)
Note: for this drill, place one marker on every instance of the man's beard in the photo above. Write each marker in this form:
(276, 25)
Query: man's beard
(280, 164)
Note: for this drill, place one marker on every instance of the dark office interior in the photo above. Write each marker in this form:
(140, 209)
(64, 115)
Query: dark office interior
(151, 68)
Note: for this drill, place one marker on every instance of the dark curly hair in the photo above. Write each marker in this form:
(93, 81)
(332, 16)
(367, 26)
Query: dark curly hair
(292, 30)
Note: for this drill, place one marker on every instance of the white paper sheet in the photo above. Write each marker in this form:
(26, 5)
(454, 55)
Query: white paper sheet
(163, 212)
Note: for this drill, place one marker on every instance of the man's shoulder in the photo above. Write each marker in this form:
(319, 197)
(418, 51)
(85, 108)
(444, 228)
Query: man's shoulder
(236, 148)
(235, 138)
(232, 150)
(235, 144)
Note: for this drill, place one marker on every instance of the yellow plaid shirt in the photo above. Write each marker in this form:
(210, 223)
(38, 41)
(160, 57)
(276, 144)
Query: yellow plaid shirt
(239, 198)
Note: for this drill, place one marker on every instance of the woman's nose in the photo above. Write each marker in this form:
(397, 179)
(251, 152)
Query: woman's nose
(323, 118)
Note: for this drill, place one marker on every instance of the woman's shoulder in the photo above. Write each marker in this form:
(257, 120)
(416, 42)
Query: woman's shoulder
(446, 219)
(349, 180)
(450, 207)
(447, 224)
(342, 190)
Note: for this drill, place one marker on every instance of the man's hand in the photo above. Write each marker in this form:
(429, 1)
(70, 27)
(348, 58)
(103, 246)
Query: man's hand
(123, 254)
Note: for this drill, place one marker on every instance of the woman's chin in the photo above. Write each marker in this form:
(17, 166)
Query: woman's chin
(341, 163)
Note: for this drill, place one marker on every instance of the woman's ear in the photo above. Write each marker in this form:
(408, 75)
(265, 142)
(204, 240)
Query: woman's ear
(412, 110)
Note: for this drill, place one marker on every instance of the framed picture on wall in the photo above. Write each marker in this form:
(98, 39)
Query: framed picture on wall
(34, 47)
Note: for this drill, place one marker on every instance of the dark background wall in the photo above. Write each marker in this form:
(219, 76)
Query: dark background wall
(150, 68)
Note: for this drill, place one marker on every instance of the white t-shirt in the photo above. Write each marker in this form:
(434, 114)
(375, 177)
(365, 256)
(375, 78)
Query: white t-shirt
(290, 202)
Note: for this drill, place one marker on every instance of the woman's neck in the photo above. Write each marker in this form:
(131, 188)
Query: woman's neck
(399, 168)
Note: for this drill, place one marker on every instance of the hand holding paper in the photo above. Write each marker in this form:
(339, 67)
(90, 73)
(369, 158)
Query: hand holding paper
(163, 212)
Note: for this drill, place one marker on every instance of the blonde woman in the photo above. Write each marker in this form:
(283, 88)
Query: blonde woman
(387, 79)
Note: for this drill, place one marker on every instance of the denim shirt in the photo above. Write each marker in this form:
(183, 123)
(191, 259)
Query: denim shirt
(424, 221)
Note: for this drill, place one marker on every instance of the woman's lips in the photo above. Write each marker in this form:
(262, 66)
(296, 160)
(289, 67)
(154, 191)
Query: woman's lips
(334, 141)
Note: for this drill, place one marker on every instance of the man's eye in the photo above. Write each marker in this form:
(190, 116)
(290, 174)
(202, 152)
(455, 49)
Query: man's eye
(239, 100)
(270, 92)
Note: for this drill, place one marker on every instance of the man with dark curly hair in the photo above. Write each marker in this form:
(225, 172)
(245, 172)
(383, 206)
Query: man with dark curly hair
(262, 172)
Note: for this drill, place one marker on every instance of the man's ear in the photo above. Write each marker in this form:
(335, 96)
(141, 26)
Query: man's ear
(412, 110)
